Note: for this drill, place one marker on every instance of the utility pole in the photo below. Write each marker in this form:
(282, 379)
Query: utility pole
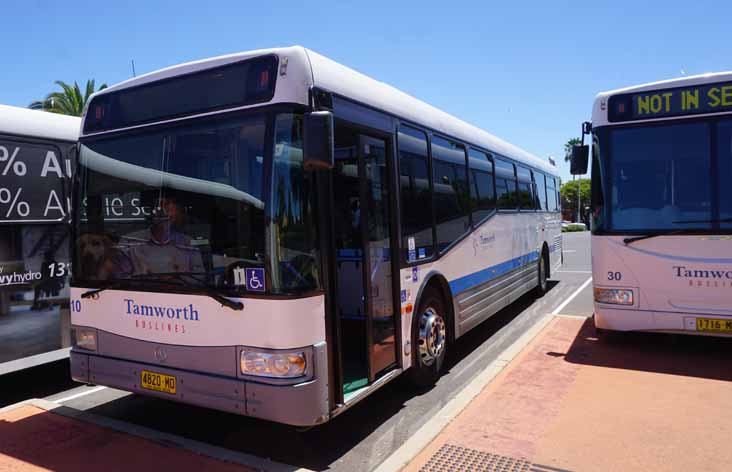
(579, 200)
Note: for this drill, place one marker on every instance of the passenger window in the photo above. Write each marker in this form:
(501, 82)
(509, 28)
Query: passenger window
(506, 191)
(525, 188)
(540, 181)
(451, 194)
(416, 195)
(552, 195)
(482, 190)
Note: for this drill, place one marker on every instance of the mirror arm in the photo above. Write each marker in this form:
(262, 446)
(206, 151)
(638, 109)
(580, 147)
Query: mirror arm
(586, 129)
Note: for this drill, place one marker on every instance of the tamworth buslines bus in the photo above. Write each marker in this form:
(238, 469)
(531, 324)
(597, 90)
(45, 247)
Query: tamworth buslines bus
(36, 163)
(276, 235)
(662, 206)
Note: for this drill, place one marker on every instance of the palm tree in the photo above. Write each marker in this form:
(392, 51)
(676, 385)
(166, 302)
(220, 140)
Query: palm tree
(568, 148)
(69, 101)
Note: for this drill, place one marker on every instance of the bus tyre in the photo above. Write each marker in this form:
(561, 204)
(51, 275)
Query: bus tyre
(542, 275)
(429, 338)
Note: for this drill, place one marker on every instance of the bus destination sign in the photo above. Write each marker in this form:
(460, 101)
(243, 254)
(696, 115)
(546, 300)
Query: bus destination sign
(681, 101)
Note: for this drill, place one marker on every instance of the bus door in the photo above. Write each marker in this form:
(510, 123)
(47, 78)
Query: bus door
(364, 257)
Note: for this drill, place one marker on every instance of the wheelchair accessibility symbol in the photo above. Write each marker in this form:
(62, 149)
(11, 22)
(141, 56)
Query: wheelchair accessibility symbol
(255, 280)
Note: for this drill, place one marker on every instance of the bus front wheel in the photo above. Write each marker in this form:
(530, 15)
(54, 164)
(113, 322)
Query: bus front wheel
(429, 338)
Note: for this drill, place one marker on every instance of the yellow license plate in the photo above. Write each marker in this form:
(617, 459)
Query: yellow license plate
(157, 382)
(714, 325)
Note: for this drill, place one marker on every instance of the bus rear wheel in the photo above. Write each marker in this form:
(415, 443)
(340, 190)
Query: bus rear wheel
(542, 275)
(429, 338)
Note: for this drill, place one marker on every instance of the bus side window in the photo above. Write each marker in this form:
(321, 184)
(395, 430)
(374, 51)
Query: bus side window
(416, 195)
(482, 189)
(540, 180)
(506, 193)
(525, 187)
(451, 193)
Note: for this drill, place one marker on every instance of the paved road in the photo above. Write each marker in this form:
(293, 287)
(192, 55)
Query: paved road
(364, 436)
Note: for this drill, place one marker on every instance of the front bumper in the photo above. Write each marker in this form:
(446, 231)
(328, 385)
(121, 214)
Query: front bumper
(304, 404)
(657, 321)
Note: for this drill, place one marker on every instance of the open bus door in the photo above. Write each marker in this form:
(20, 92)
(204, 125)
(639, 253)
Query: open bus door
(364, 258)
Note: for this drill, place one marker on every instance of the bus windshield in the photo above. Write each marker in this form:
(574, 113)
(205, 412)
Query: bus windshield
(224, 204)
(670, 177)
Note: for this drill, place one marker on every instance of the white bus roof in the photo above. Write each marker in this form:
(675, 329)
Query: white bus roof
(38, 124)
(599, 109)
(307, 68)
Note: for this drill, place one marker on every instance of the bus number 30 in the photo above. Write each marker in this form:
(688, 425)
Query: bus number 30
(614, 276)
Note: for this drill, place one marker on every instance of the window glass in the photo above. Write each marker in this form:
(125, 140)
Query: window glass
(660, 177)
(482, 191)
(525, 189)
(724, 174)
(186, 200)
(552, 195)
(506, 191)
(416, 195)
(451, 191)
(294, 262)
(523, 174)
(540, 180)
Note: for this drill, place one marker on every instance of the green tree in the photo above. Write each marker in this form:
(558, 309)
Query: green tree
(568, 194)
(69, 101)
(568, 148)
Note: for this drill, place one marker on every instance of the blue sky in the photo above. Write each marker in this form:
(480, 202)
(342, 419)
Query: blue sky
(526, 71)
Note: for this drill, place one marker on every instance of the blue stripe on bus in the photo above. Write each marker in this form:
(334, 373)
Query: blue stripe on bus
(482, 276)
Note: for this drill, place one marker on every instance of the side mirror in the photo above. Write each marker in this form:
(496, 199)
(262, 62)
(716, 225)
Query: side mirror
(318, 142)
(580, 156)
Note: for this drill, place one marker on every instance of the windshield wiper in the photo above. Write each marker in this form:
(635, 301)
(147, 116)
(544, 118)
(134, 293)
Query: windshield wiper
(92, 292)
(648, 236)
(713, 220)
(181, 276)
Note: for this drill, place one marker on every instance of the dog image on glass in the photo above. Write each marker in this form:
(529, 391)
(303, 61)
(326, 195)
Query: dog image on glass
(100, 257)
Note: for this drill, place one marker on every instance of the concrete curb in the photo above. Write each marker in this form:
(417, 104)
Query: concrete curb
(429, 431)
(165, 439)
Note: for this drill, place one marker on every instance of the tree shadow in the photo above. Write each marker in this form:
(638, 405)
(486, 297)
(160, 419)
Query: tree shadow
(676, 354)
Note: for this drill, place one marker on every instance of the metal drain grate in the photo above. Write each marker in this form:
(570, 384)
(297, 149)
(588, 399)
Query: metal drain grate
(451, 458)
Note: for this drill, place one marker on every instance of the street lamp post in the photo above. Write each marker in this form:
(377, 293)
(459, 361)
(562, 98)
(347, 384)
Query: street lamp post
(579, 200)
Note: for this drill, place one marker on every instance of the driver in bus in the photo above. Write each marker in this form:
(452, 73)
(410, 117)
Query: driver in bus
(166, 249)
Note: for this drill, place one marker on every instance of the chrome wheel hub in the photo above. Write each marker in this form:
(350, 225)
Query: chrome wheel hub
(432, 336)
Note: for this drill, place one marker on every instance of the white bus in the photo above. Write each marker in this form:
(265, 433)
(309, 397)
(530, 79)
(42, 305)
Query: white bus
(276, 235)
(36, 162)
(662, 206)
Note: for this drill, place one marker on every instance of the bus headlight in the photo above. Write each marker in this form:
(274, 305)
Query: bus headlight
(272, 364)
(85, 338)
(614, 296)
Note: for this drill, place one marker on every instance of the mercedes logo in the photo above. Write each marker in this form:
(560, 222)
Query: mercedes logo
(161, 354)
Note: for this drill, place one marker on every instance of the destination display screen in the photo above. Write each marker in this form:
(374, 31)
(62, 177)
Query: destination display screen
(680, 101)
(232, 85)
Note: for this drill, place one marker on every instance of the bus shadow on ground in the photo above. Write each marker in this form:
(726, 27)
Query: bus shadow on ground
(321, 447)
(35, 382)
(676, 354)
